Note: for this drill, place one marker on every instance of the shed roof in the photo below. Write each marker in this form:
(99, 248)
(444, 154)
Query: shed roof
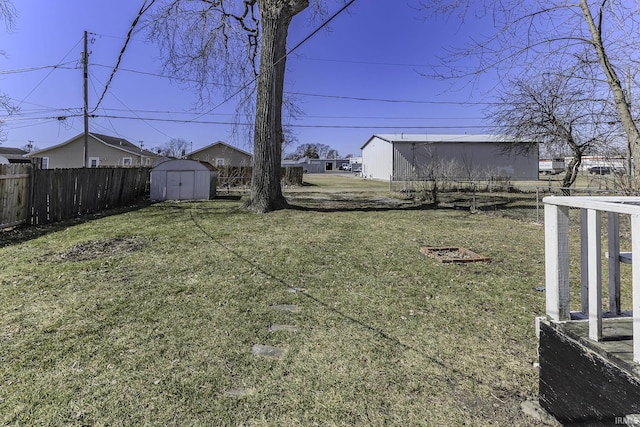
(394, 138)
(184, 165)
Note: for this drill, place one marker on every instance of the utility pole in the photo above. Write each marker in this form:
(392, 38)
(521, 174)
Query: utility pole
(85, 80)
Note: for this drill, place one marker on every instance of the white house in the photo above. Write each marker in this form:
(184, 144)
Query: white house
(463, 157)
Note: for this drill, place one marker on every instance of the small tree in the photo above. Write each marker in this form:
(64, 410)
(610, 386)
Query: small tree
(8, 15)
(313, 151)
(562, 112)
(175, 148)
(535, 35)
(310, 152)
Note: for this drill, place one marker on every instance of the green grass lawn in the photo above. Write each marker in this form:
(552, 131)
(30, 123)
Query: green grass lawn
(149, 317)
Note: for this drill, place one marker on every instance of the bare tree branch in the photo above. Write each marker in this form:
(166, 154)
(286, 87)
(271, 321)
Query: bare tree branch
(531, 38)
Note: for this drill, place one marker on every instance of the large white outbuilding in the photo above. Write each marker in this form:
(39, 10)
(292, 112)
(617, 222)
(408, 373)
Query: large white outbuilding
(456, 157)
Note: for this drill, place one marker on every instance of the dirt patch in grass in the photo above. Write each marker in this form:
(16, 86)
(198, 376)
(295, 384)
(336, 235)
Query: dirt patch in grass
(103, 248)
(452, 254)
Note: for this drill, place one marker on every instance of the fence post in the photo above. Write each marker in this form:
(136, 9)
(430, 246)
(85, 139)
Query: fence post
(474, 198)
(537, 205)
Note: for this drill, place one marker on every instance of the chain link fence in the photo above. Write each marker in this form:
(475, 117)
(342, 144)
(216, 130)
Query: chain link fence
(522, 201)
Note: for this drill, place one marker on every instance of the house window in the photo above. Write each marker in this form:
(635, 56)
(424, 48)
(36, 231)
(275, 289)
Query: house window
(219, 162)
(127, 161)
(45, 163)
(94, 162)
(148, 161)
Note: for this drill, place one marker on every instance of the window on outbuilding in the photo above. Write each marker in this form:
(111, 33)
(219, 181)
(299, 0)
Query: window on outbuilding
(94, 162)
(127, 161)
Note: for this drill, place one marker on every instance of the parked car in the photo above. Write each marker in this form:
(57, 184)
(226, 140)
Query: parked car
(345, 167)
(600, 170)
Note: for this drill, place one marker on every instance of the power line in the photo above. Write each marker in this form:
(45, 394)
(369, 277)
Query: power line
(314, 32)
(313, 126)
(395, 101)
(48, 74)
(346, 61)
(42, 67)
(318, 95)
(254, 79)
(142, 10)
(305, 116)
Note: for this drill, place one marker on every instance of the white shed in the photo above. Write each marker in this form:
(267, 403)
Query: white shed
(183, 180)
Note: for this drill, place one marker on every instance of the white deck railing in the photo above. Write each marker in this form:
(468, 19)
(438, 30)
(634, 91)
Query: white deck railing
(556, 219)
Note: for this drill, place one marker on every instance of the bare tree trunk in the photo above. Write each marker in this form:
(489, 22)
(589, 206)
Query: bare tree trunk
(266, 192)
(622, 106)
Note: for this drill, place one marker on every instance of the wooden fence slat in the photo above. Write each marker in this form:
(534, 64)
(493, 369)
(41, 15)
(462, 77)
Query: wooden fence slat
(14, 194)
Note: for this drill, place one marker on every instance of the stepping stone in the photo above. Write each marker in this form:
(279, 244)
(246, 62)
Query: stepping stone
(276, 328)
(286, 307)
(268, 351)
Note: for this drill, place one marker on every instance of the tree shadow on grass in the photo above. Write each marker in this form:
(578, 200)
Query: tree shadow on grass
(375, 204)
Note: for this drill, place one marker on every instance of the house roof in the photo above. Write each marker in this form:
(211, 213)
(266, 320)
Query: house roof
(123, 144)
(112, 141)
(426, 138)
(12, 153)
(220, 143)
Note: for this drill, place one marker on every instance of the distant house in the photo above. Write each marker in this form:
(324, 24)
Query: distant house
(316, 165)
(102, 150)
(466, 157)
(12, 155)
(222, 154)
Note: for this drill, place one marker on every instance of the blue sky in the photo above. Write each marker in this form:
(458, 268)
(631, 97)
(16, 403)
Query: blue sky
(375, 52)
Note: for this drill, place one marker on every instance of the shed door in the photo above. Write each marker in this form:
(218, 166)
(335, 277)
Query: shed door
(180, 185)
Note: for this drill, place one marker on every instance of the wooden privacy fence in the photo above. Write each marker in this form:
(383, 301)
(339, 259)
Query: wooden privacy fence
(238, 176)
(14, 194)
(51, 195)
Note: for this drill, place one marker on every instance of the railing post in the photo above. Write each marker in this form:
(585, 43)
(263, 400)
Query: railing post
(556, 223)
(613, 246)
(584, 262)
(594, 251)
(635, 286)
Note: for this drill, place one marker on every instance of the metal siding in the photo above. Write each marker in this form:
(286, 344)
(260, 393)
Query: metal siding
(468, 160)
(377, 158)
